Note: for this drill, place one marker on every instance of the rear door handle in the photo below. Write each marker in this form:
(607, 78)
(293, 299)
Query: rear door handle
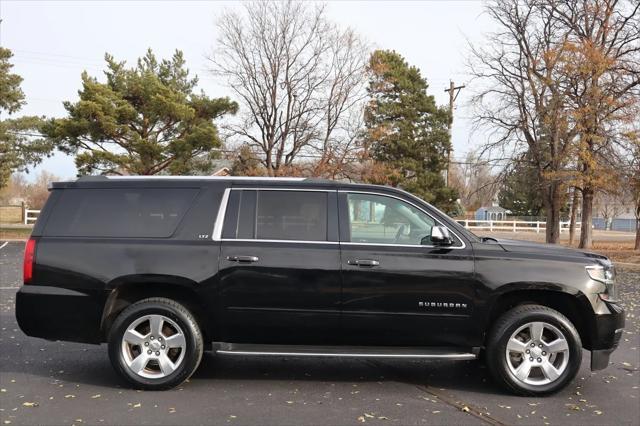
(244, 259)
(363, 262)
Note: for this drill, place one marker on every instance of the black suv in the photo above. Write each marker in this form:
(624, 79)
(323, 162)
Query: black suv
(165, 268)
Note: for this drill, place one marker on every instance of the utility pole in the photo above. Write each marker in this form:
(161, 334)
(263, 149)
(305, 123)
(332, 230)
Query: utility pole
(453, 95)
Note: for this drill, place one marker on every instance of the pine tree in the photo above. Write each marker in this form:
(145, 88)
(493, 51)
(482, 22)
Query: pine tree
(406, 131)
(521, 191)
(143, 120)
(18, 148)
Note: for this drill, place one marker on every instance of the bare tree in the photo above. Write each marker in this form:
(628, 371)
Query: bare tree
(602, 71)
(519, 101)
(609, 205)
(34, 194)
(631, 176)
(297, 76)
(475, 181)
(573, 215)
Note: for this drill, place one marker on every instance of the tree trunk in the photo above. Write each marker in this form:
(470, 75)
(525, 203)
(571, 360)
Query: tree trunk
(637, 247)
(552, 209)
(586, 230)
(574, 214)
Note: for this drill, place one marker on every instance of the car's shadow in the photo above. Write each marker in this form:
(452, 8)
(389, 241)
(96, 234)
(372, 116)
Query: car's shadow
(82, 364)
(462, 375)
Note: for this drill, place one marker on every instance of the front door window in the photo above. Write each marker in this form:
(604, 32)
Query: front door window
(376, 219)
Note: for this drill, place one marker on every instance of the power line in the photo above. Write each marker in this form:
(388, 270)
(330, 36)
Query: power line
(311, 156)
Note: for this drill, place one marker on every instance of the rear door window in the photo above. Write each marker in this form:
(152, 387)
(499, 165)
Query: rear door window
(122, 212)
(291, 215)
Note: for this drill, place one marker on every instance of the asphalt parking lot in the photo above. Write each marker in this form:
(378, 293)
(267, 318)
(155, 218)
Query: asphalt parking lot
(45, 382)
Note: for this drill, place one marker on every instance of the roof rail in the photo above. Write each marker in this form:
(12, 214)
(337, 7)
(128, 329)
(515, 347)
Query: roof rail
(90, 178)
(242, 178)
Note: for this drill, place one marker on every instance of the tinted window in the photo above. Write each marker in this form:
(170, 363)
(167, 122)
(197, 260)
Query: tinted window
(384, 220)
(247, 217)
(127, 212)
(292, 215)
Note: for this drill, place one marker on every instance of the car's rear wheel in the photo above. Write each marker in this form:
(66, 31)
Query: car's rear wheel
(155, 344)
(534, 350)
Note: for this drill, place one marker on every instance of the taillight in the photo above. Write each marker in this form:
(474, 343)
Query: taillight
(29, 257)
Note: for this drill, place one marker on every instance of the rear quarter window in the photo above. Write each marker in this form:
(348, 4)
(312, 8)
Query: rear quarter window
(119, 213)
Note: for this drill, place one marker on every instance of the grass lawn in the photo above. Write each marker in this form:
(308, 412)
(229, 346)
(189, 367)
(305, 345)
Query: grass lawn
(618, 251)
(14, 233)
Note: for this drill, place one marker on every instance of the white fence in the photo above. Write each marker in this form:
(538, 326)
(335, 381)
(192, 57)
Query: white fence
(30, 216)
(511, 225)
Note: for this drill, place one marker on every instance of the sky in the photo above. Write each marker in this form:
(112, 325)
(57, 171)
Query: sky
(53, 42)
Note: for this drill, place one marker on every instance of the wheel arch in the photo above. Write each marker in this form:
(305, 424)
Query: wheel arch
(128, 290)
(570, 302)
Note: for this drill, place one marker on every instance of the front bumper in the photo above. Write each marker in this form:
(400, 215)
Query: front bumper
(56, 313)
(605, 335)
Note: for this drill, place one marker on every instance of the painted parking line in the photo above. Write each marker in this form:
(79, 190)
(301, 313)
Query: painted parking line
(4, 244)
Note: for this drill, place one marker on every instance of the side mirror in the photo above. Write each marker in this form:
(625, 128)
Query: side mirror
(440, 236)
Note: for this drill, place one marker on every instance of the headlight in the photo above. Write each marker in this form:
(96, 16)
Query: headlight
(606, 274)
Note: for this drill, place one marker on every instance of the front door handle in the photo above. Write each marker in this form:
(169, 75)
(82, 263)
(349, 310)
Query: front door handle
(243, 259)
(363, 262)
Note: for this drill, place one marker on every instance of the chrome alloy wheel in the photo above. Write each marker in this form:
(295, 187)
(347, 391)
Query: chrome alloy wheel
(537, 353)
(153, 346)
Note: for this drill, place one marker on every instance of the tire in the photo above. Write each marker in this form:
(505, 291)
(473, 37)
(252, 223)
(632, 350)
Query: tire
(544, 368)
(155, 344)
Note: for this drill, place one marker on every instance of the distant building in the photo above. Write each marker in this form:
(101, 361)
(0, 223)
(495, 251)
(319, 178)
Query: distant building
(224, 171)
(493, 212)
(614, 214)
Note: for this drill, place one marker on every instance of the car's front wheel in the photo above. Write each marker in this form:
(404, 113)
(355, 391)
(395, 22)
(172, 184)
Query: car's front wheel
(155, 344)
(534, 350)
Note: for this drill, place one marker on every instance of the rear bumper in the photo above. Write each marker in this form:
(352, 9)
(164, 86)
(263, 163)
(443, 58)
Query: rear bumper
(55, 313)
(606, 336)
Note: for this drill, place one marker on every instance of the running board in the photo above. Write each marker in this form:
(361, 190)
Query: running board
(245, 349)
